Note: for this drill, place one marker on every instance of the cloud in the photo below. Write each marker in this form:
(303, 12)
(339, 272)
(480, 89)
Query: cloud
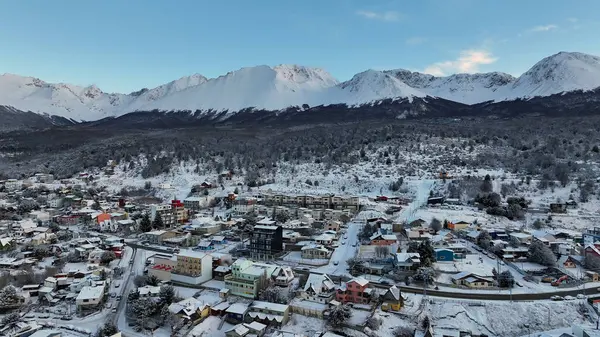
(545, 28)
(388, 16)
(468, 62)
(415, 40)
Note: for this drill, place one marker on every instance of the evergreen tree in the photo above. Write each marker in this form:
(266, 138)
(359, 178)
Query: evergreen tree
(158, 222)
(145, 224)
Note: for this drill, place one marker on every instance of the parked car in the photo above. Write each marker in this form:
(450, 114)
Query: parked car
(119, 297)
(114, 310)
(335, 263)
(66, 318)
(557, 298)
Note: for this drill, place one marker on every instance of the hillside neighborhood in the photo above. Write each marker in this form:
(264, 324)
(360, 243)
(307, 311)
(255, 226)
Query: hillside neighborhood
(79, 259)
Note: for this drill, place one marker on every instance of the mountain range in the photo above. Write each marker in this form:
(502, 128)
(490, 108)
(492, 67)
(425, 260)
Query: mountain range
(279, 88)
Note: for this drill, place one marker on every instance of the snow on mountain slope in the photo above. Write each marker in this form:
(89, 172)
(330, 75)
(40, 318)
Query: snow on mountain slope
(373, 85)
(556, 74)
(279, 87)
(260, 87)
(463, 88)
(70, 101)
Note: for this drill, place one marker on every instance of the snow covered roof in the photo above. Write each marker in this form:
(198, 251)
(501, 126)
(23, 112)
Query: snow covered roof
(191, 253)
(90, 293)
(360, 280)
(520, 235)
(269, 306)
(317, 282)
(265, 227)
(237, 308)
(240, 329)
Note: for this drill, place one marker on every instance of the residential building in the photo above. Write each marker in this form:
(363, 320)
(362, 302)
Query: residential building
(319, 288)
(166, 214)
(333, 225)
(392, 299)
(158, 236)
(12, 184)
(591, 236)
(162, 267)
(458, 225)
(314, 299)
(325, 239)
(236, 312)
(246, 329)
(379, 239)
(149, 291)
(356, 291)
(315, 252)
(192, 268)
(247, 278)
(269, 313)
(282, 276)
(444, 255)
(266, 242)
(407, 261)
(471, 280)
(89, 298)
(195, 204)
(178, 209)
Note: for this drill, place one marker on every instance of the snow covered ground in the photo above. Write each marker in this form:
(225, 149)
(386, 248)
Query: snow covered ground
(338, 263)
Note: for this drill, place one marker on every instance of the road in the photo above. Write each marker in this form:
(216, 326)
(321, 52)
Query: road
(343, 252)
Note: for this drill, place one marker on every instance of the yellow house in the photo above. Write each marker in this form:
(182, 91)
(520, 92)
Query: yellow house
(190, 309)
(392, 299)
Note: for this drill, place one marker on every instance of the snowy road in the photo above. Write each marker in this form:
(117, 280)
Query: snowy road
(344, 252)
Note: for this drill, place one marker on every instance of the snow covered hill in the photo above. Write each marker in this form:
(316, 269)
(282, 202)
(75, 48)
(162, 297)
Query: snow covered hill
(284, 86)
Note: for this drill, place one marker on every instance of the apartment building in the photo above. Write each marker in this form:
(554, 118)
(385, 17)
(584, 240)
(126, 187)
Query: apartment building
(166, 213)
(314, 202)
(248, 278)
(89, 297)
(192, 267)
(195, 203)
(266, 241)
(178, 208)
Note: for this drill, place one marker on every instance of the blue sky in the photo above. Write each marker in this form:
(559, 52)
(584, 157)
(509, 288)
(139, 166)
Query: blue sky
(122, 46)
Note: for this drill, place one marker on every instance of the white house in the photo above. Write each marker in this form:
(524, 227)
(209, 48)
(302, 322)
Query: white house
(89, 297)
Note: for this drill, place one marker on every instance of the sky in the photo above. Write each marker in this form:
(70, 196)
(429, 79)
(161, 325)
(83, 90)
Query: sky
(123, 46)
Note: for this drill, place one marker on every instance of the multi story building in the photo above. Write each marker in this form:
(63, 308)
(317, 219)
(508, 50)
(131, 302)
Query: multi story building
(248, 278)
(356, 291)
(194, 203)
(315, 202)
(266, 241)
(178, 208)
(192, 268)
(166, 213)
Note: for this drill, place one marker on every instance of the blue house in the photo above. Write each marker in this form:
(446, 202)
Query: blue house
(442, 255)
(218, 240)
(205, 245)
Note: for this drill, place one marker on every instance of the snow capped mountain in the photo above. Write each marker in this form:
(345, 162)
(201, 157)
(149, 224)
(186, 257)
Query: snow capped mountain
(558, 73)
(373, 85)
(282, 86)
(464, 88)
(260, 87)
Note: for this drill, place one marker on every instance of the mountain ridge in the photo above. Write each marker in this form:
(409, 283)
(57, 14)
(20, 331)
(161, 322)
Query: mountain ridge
(287, 85)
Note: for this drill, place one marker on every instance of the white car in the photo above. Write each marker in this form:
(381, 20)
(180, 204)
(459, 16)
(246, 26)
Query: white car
(569, 298)
(557, 298)
(335, 263)
(581, 296)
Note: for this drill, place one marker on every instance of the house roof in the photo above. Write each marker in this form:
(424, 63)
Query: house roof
(240, 330)
(191, 253)
(269, 306)
(317, 282)
(360, 280)
(520, 235)
(393, 293)
(237, 308)
(90, 293)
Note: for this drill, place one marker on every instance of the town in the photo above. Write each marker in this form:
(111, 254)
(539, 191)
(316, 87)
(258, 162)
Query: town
(77, 258)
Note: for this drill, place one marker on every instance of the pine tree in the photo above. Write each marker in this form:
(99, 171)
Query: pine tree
(158, 222)
(145, 224)
(339, 315)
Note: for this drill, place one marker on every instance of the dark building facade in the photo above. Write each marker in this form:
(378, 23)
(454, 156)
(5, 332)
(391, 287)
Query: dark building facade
(266, 242)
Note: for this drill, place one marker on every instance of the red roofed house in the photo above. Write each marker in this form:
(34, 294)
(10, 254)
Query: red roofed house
(356, 291)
